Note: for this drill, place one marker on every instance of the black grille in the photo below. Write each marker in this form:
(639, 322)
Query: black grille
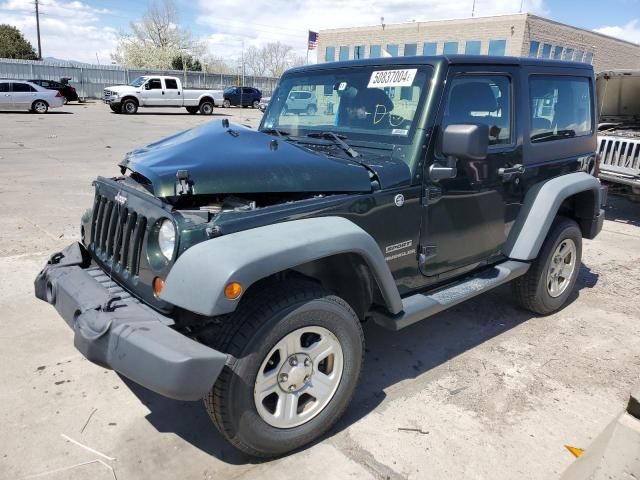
(117, 234)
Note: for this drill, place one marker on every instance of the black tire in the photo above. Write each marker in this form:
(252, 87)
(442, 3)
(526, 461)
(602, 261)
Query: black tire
(226, 103)
(115, 109)
(129, 107)
(532, 290)
(192, 110)
(40, 106)
(258, 324)
(256, 104)
(311, 110)
(206, 108)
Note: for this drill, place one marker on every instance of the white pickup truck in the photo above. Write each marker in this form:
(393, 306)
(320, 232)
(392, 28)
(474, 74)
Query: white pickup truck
(160, 91)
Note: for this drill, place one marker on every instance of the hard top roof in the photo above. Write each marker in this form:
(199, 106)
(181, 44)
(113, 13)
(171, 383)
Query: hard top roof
(447, 60)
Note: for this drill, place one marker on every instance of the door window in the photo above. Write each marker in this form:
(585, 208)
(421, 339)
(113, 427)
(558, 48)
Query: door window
(560, 107)
(155, 84)
(23, 87)
(481, 99)
(4, 87)
(171, 83)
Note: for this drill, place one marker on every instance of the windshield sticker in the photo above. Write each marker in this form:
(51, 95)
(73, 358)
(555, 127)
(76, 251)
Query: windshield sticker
(399, 131)
(342, 86)
(392, 78)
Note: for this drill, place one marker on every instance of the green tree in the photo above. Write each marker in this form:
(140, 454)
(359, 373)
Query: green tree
(14, 45)
(190, 63)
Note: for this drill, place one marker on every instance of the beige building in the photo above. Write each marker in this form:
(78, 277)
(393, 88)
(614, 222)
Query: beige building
(520, 35)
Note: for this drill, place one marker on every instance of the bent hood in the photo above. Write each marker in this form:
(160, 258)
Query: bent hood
(237, 159)
(619, 95)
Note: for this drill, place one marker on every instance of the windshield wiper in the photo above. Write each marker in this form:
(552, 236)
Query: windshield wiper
(553, 135)
(338, 140)
(280, 133)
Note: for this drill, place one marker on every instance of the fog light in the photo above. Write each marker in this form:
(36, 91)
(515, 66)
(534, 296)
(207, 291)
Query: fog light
(158, 285)
(233, 290)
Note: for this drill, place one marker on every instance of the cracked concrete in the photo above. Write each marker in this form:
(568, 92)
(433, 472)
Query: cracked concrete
(484, 391)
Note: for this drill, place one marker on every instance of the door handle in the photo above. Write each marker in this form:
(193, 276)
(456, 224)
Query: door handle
(508, 173)
(163, 92)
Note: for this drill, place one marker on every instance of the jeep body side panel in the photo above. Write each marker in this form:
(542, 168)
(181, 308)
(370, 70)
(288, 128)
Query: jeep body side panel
(197, 280)
(540, 208)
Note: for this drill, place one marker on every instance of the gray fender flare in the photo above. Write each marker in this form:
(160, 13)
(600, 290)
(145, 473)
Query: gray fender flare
(539, 209)
(197, 280)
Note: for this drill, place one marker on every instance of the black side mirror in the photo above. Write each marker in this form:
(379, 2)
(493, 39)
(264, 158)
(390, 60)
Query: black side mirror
(466, 142)
(147, 86)
(460, 142)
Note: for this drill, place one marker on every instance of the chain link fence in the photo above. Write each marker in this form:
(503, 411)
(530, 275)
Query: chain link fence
(91, 80)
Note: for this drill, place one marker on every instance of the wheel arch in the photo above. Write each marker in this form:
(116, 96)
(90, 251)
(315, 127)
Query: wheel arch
(130, 97)
(40, 100)
(207, 98)
(576, 195)
(313, 247)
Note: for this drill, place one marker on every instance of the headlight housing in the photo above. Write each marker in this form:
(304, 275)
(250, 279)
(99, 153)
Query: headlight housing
(167, 238)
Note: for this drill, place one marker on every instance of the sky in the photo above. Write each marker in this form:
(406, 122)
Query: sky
(87, 30)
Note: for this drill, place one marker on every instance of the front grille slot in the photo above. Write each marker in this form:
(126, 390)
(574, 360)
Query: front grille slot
(117, 234)
(619, 155)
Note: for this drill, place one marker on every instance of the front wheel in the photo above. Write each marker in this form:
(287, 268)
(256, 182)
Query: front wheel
(129, 107)
(115, 109)
(552, 276)
(298, 354)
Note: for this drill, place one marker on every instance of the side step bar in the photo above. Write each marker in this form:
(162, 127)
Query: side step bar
(420, 306)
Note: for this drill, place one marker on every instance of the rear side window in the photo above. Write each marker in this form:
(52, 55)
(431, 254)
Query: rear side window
(171, 83)
(23, 87)
(4, 87)
(560, 107)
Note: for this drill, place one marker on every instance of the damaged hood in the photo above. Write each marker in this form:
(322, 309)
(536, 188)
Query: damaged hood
(619, 95)
(235, 159)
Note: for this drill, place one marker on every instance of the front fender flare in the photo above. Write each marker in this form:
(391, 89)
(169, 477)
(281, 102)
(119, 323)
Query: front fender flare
(197, 280)
(539, 209)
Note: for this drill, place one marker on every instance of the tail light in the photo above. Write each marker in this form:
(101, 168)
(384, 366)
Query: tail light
(58, 93)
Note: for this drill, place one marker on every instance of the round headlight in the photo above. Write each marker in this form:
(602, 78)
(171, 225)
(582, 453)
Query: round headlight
(167, 238)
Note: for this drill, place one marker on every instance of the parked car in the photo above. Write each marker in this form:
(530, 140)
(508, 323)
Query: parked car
(301, 101)
(242, 274)
(68, 92)
(619, 130)
(160, 91)
(22, 95)
(242, 97)
(264, 103)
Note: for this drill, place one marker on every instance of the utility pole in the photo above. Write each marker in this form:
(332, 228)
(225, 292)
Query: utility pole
(473, 9)
(38, 29)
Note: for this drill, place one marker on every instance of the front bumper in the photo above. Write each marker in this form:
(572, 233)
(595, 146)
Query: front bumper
(111, 100)
(115, 330)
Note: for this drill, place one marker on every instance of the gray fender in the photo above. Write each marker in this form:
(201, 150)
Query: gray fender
(197, 280)
(540, 207)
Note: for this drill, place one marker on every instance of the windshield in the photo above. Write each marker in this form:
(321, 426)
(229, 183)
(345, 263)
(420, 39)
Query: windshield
(372, 103)
(137, 82)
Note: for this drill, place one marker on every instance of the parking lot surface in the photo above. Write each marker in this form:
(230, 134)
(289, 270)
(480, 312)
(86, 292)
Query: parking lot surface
(483, 391)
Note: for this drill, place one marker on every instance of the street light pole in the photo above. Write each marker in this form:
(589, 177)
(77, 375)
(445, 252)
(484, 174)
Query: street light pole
(38, 30)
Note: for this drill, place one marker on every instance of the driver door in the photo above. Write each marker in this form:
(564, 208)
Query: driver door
(466, 217)
(153, 93)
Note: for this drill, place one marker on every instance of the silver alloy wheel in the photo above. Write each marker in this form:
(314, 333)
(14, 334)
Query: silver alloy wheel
(561, 268)
(40, 107)
(299, 377)
(226, 104)
(130, 107)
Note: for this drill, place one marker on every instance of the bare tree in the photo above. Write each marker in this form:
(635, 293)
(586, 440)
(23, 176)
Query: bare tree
(254, 59)
(277, 58)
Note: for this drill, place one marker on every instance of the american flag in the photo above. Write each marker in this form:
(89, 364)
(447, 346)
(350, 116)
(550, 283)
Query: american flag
(313, 40)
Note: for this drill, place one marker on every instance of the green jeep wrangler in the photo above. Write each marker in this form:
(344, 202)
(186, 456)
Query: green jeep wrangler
(238, 265)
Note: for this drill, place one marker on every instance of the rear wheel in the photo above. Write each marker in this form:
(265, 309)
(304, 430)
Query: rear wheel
(39, 106)
(192, 110)
(298, 352)
(206, 108)
(129, 107)
(552, 276)
(311, 110)
(226, 103)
